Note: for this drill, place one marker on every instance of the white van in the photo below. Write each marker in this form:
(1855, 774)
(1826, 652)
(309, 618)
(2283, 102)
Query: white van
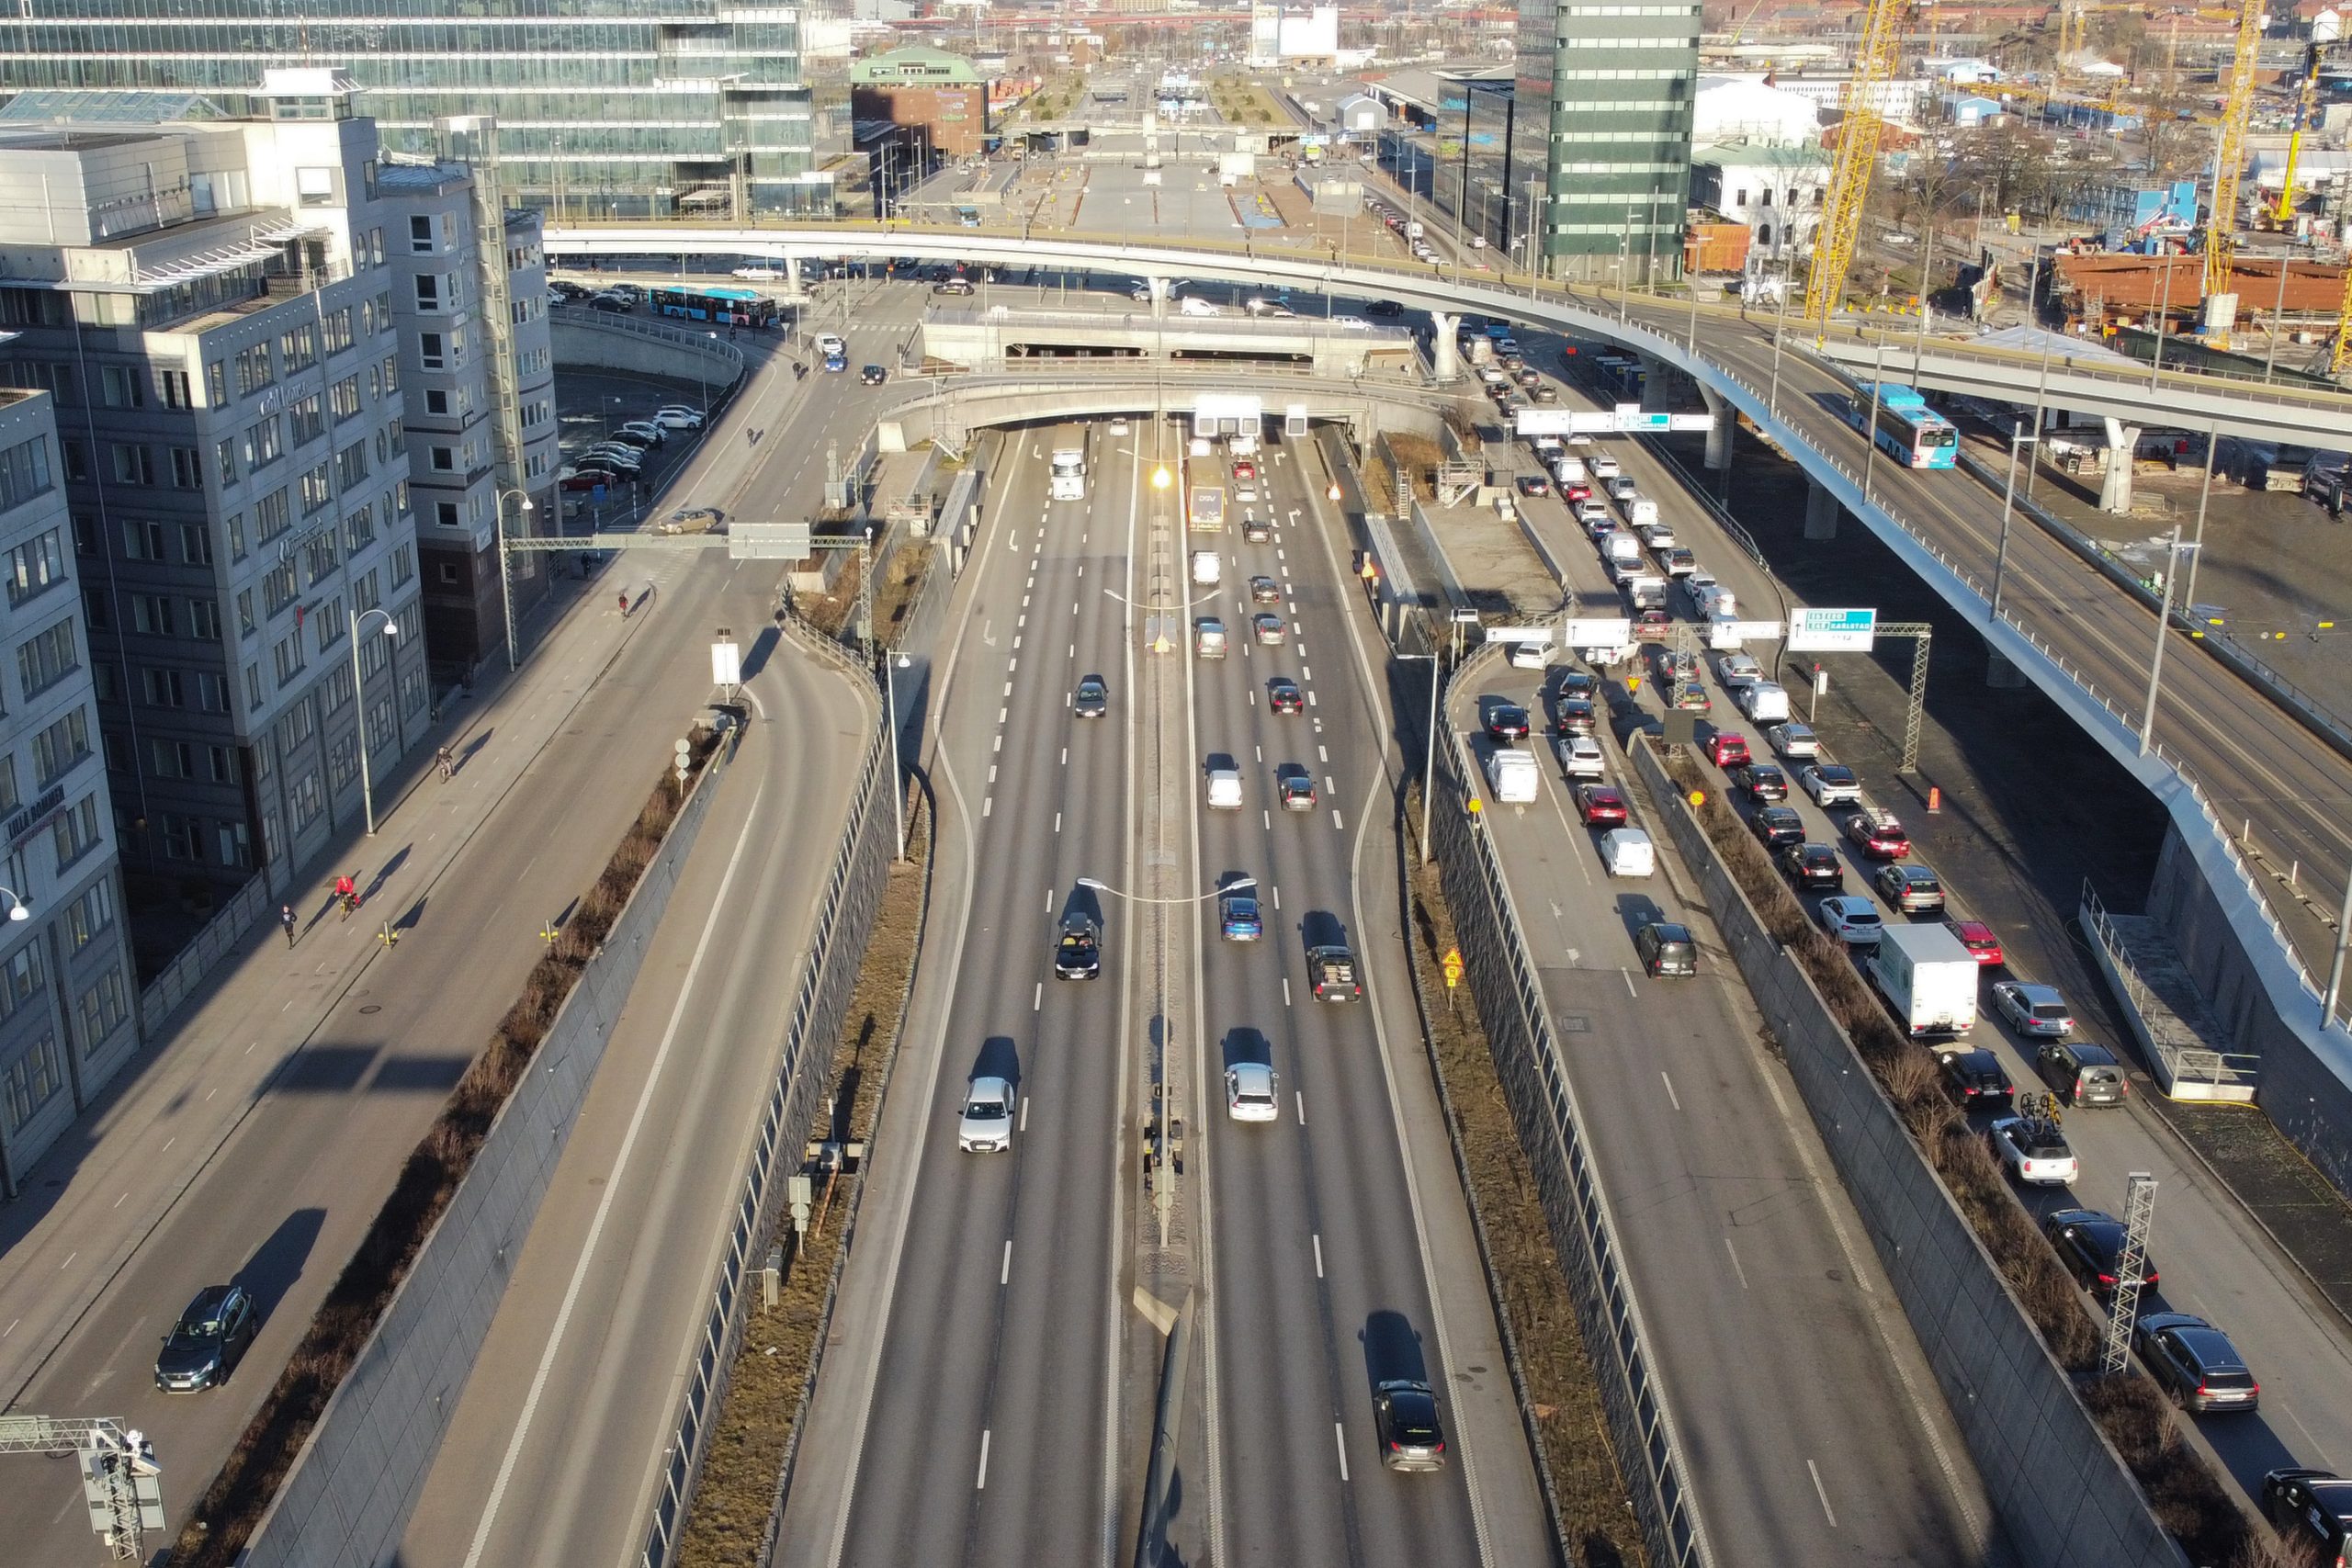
(1623, 552)
(1568, 470)
(1765, 702)
(1224, 789)
(1641, 512)
(1192, 305)
(1714, 600)
(1626, 851)
(1208, 568)
(1512, 775)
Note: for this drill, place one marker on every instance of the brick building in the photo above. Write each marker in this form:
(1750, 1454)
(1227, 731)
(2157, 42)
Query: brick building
(940, 93)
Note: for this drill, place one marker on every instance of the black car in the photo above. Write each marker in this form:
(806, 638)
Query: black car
(211, 1336)
(1283, 693)
(1812, 866)
(1976, 1079)
(1777, 825)
(872, 375)
(2088, 1243)
(1666, 948)
(1763, 781)
(1576, 684)
(1093, 698)
(2196, 1363)
(1383, 307)
(1077, 955)
(1575, 716)
(608, 303)
(1405, 1413)
(1507, 721)
(2312, 1509)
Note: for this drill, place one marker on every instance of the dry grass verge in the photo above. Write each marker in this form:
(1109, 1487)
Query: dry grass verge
(224, 1517)
(2189, 1499)
(726, 1520)
(1596, 1513)
(896, 587)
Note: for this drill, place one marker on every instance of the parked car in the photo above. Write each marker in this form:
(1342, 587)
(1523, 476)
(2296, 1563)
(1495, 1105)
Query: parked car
(1878, 835)
(985, 1124)
(2034, 1151)
(1666, 949)
(1405, 1416)
(1852, 921)
(1975, 1078)
(1978, 937)
(1831, 783)
(2312, 1512)
(1284, 695)
(675, 417)
(2039, 1012)
(1763, 781)
(210, 1337)
(2089, 1242)
(1777, 826)
(1811, 865)
(2080, 1073)
(1600, 805)
(2196, 1363)
(641, 432)
(1912, 889)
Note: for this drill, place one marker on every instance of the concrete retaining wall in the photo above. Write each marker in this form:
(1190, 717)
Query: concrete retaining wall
(2058, 1488)
(348, 1500)
(614, 341)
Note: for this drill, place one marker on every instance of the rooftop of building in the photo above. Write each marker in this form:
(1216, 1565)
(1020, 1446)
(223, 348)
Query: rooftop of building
(915, 64)
(69, 141)
(1758, 156)
(132, 107)
(418, 176)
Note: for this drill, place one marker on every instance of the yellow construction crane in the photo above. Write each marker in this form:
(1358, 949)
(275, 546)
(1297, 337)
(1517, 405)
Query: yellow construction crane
(2229, 152)
(1850, 178)
(2325, 29)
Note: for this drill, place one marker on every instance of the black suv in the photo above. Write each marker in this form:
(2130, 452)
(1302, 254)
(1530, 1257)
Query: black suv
(1092, 699)
(2088, 1243)
(1813, 865)
(1777, 825)
(1078, 955)
(1405, 1411)
(2312, 1509)
(1666, 948)
(211, 1336)
(1764, 782)
(2196, 1363)
(1975, 1078)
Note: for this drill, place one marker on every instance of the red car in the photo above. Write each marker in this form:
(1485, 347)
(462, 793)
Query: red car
(1978, 937)
(1727, 750)
(1878, 835)
(1245, 469)
(1601, 805)
(1578, 492)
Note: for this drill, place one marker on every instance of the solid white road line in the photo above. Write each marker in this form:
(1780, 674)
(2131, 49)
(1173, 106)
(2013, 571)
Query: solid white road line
(1672, 1097)
(1300, 1094)
(1821, 1492)
(1318, 1254)
(687, 991)
(1004, 1275)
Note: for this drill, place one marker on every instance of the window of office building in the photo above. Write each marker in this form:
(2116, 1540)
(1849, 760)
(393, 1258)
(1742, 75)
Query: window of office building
(23, 471)
(35, 565)
(46, 658)
(75, 832)
(104, 1007)
(28, 1083)
(21, 978)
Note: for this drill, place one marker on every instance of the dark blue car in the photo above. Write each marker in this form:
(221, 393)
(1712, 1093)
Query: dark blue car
(837, 362)
(1239, 920)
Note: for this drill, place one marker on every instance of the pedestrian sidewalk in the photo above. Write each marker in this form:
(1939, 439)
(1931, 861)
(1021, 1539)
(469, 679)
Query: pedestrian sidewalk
(111, 1180)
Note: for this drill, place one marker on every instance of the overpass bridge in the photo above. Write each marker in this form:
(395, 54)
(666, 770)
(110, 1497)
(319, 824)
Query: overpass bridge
(2230, 767)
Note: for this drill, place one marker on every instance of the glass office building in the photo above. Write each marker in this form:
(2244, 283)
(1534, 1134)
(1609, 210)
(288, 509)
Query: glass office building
(605, 107)
(1606, 94)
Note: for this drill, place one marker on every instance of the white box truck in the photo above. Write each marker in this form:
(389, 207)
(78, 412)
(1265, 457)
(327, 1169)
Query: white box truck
(1208, 568)
(1512, 775)
(1928, 977)
(1067, 480)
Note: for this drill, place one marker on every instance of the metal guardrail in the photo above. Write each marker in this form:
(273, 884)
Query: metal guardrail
(814, 1021)
(695, 340)
(1642, 1426)
(216, 940)
(2191, 1065)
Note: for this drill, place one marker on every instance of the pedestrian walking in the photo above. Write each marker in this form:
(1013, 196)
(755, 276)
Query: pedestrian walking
(286, 918)
(448, 762)
(624, 604)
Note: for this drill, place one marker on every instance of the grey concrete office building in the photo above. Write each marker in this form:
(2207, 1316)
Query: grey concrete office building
(211, 306)
(607, 108)
(1605, 99)
(68, 998)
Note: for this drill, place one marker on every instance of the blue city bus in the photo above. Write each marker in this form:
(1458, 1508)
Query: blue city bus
(726, 307)
(1908, 430)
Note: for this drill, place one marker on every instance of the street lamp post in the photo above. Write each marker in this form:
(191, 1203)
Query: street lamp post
(16, 910)
(2156, 660)
(890, 667)
(359, 701)
(506, 576)
(2017, 438)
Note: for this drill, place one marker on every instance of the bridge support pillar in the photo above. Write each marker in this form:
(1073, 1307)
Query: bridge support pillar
(2115, 492)
(1159, 286)
(1999, 674)
(1821, 510)
(1445, 345)
(1720, 433)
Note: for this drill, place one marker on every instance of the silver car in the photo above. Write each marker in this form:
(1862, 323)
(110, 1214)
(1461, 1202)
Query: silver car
(1249, 1092)
(986, 1125)
(2037, 1012)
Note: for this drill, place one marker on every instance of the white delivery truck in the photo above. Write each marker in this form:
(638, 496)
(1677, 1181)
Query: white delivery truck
(1208, 568)
(1512, 775)
(1928, 977)
(1066, 479)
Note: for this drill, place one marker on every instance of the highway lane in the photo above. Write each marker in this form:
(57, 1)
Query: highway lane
(2217, 1262)
(1315, 1278)
(1812, 1430)
(991, 1428)
(280, 1198)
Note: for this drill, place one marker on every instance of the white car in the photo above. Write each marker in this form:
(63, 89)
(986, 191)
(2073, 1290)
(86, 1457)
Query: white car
(1737, 670)
(674, 417)
(1250, 1093)
(1851, 920)
(1831, 783)
(830, 343)
(1529, 655)
(2035, 1152)
(1580, 757)
(1604, 466)
(986, 1125)
(1352, 324)
(1119, 426)
(1658, 535)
